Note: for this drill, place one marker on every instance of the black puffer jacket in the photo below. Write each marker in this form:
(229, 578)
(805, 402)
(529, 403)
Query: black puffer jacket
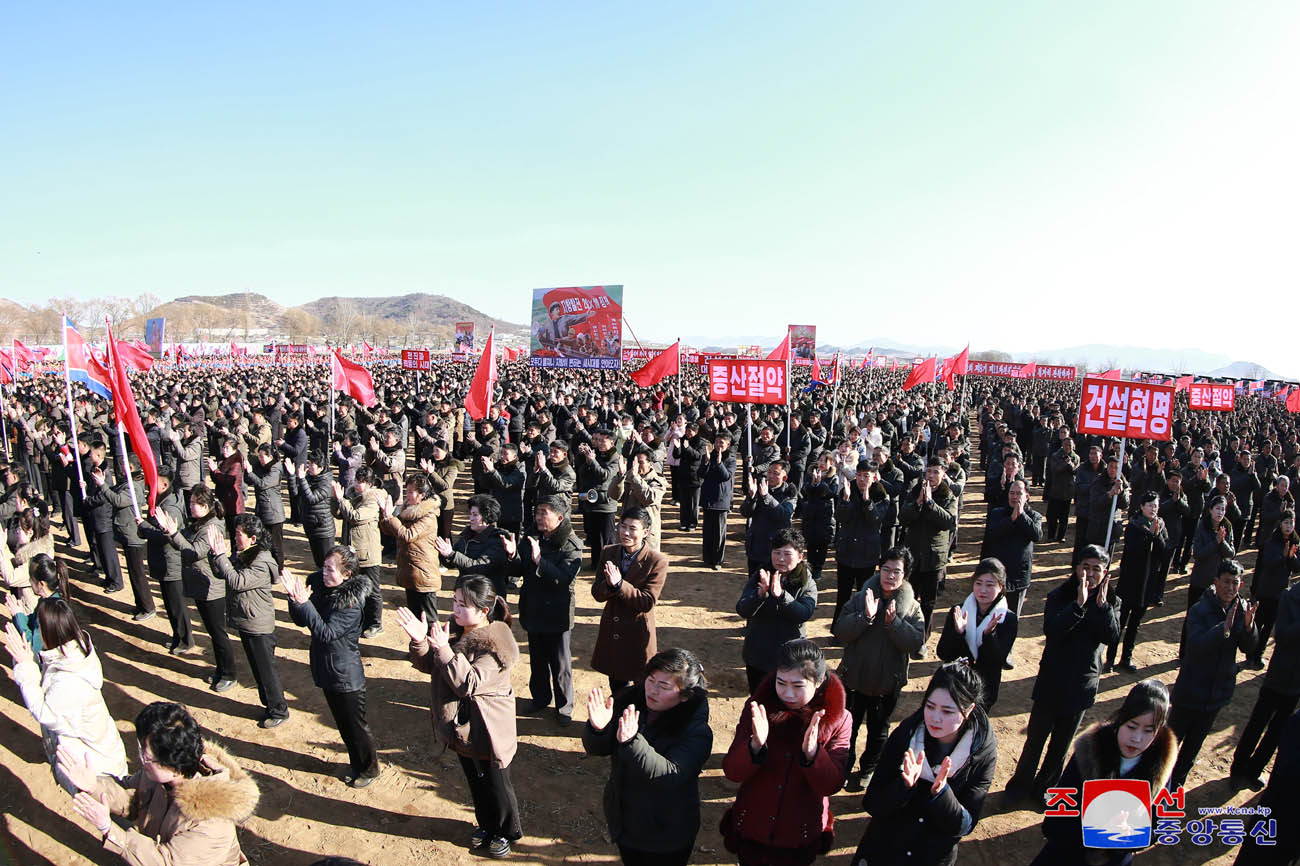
(911, 825)
(316, 493)
(333, 616)
(482, 553)
(817, 508)
(858, 543)
(652, 798)
(1070, 666)
(1207, 675)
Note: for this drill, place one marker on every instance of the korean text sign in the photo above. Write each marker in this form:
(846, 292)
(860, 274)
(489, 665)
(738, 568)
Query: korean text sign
(1136, 410)
(415, 359)
(1211, 396)
(747, 380)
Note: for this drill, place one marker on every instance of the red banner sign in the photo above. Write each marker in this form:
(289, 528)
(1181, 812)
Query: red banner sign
(1211, 396)
(1009, 370)
(1130, 409)
(415, 359)
(734, 380)
(640, 354)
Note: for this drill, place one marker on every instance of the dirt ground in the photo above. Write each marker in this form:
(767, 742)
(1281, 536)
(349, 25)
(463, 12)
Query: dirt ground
(419, 808)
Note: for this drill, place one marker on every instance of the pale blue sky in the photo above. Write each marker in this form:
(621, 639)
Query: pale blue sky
(1021, 176)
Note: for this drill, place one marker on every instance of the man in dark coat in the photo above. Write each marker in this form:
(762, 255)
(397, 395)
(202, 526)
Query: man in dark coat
(1107, 504)
(549, 559)
(1079, 618)
(1145, 542)
(1278, 697)
(929, 518)
(1217, 626)
(1246, 487)
(1010, 537)
(769, 507)
(504, 479)
(596, 466)
(1061, 468)
(1084, 478)
(717, 472)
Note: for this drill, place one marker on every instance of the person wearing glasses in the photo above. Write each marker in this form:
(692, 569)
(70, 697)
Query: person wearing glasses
(184, 802)
(657, 737)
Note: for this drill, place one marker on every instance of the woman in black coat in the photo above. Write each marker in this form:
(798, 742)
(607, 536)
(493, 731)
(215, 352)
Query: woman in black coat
(1145, 541)
(1278, 562)
(982, 628)
(946, 753)
(658, 738)
(1135, 744)
(717, 472)
(860, 514)
(817, 511)
(329, 604)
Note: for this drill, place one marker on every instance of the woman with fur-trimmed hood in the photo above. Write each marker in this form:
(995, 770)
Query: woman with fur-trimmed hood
(1135, 744)
(472, 703)
(184, 802)
(330, 603)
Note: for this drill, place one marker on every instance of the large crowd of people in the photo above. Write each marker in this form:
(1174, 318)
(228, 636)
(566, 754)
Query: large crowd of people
(568, 485)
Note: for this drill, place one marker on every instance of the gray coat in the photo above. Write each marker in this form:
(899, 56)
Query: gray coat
(876, 653)
(192, 542)
(265, 481)
(250, 605)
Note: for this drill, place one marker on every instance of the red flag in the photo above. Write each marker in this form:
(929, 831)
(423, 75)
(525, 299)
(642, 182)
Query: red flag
(6, 368)
(954, 367)
(353, 379)
(23, 356)
(962, 362)
(817, 370)
(1181, 383)
(129, 417)
(666, 363)
(479, 398)
(922, 373)
(1293, 400)
(1028, 371)
(782, 351)
(835, 369)
(134, 357)
(1109, 374)
(366, 348)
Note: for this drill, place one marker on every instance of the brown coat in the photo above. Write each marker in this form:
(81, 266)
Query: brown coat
(361, 516)
(626, 639)
(472, 703)
(416, 527)
(193, 823)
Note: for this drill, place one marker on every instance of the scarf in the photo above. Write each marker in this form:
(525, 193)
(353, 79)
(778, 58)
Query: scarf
(975, 625)
(960, 755)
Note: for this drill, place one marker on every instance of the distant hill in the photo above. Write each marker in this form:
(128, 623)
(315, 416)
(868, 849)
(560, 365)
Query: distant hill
(1244, 370)
(435, 309)
(416, 317)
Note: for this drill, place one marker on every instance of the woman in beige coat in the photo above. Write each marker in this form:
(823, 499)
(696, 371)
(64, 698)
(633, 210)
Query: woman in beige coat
(415, 526)
(473, 704)
(183, 804)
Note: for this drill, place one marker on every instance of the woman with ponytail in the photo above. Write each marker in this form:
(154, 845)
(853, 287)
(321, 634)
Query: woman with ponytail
(49, 578)
(472, 702)
(929, 788)
(29, 535)
(64, 693)
(330, 603)
(249, 575)
(201, 585)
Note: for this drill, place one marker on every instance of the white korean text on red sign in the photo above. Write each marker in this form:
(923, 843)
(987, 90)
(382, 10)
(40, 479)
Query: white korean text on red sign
(747, 380)
(1135, 410)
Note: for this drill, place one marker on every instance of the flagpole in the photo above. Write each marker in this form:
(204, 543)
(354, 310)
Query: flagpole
(121, 428)
(749, 441)
(1114, 500)
(72, 416)
(4, 411)
(835, 394)
(789, 391)
(679, 376)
